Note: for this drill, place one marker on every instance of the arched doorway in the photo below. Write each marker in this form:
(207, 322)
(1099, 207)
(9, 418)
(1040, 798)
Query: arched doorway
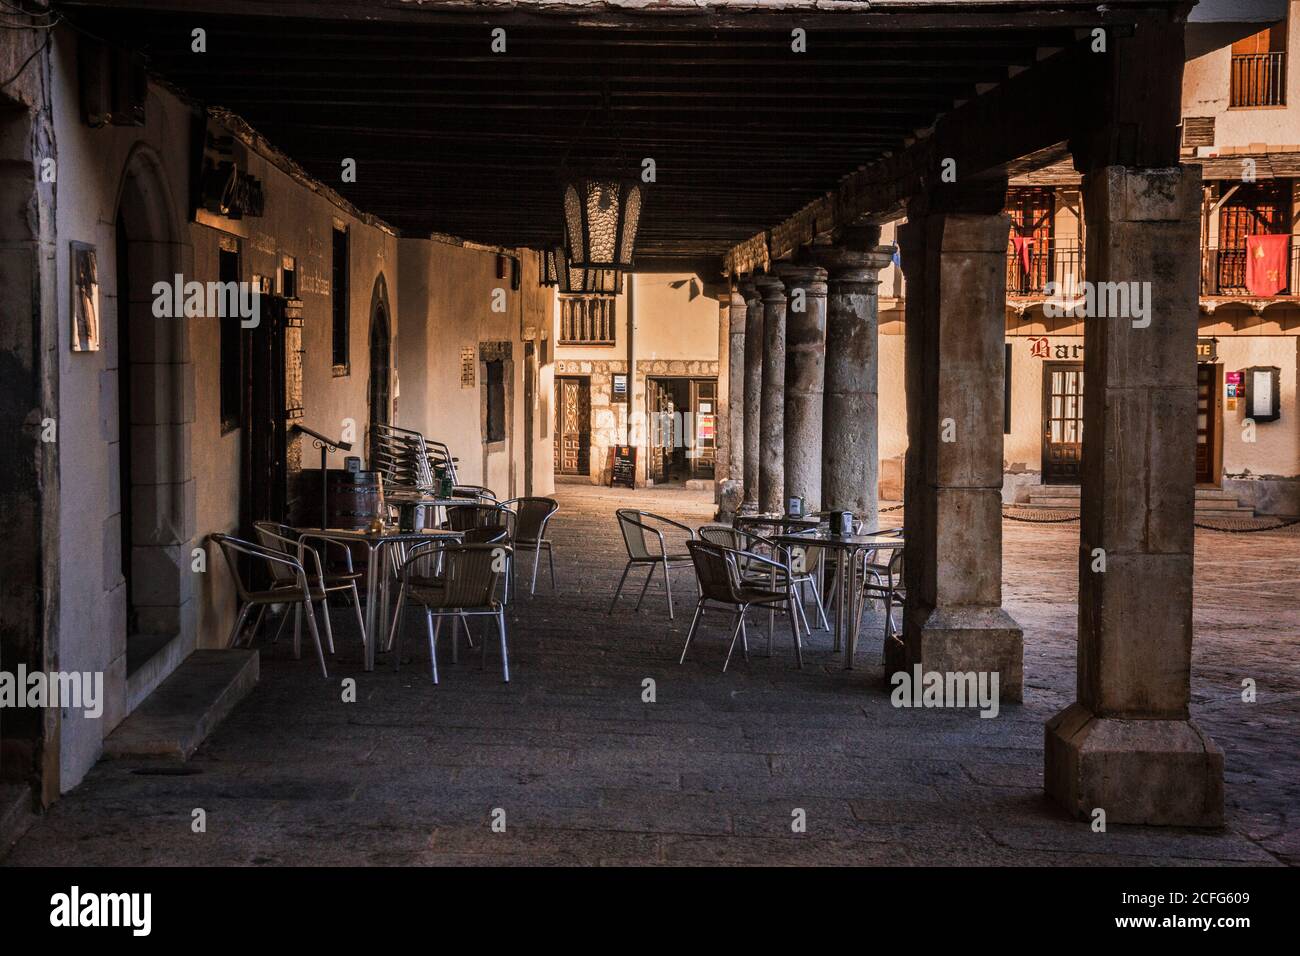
(381, 368)
(155, 406)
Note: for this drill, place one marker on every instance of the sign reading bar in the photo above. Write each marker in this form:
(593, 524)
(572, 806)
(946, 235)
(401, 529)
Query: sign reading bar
(1207, 350)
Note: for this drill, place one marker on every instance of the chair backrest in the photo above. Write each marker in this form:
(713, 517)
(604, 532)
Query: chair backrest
(723, 535)
(531, 517)
(715, 568)
(629, 522)
(476, 492)
(440, 458)
(233, 547)
(469, 574)
(471, 515)
(282, 539)
(486, 536)
(401, 455)
(726, 536)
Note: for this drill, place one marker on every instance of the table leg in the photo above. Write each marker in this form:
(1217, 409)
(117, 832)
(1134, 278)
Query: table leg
(855, 613)
(839, 598)
(372, 595)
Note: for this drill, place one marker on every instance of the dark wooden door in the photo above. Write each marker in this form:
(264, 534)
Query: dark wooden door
(1206, 390)
(573, 425)
(1062, 422)
(380, 376)
(265, 474)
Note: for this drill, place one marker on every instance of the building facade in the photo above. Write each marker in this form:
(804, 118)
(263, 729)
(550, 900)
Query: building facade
(665, 328)
(1241, 123)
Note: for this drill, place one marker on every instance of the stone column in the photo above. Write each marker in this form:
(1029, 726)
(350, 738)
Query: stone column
(1128, 745)
(955, 264)
(850, 426)
(805, 371)
(753, 390)
(732, 482)
(771, 420)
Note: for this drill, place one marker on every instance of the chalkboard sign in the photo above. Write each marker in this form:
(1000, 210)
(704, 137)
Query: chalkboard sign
(622, 466)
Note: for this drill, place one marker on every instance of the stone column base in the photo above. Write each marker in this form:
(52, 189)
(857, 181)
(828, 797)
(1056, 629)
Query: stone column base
(962, 639)
(729, 499)
(1162, 772)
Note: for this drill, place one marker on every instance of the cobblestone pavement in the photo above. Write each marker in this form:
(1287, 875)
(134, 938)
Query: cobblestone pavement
(713, 771)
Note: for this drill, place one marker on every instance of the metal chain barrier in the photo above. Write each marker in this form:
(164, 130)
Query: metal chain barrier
(1060, 517)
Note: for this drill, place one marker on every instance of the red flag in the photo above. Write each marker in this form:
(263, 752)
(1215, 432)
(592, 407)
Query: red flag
(1266, 264)
(1024, 248)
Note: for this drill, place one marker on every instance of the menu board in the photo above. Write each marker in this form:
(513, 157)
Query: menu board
(622, 466)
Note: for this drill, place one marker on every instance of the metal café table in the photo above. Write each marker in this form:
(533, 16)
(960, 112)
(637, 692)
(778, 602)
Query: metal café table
(378, 547)
(758, 523)
(848, 596)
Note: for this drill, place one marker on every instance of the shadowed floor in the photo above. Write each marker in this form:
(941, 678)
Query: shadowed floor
(716, 768)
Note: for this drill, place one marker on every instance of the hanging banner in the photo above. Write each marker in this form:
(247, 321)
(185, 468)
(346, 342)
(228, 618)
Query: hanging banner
(1266, 264)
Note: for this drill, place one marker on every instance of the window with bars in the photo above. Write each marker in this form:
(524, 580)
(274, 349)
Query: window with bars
(587, 320)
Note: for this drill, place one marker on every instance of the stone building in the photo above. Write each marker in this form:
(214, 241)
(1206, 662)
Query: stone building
(385, 185)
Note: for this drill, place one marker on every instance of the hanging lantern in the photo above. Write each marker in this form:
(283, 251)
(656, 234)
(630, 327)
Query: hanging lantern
(601, 217)
(558, 271)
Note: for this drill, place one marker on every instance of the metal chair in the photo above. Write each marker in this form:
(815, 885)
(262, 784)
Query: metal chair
(720, 581)
(883, 581)
(290, 586)
(637, 526)
(472, 536)
(531, 517)
(401, 456)
(802, 566)
(287, 540)
(458, 581)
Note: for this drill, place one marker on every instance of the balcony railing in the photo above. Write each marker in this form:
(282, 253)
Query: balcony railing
(1223, 271)
(1054, 260)
(1258, 79)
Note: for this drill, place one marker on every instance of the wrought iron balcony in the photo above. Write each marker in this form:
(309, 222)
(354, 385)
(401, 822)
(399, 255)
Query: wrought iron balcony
(1223, 271)
(1055, 260)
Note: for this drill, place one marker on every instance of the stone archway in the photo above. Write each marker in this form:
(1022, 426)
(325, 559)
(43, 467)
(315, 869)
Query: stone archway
(156, 382)
(380, 386)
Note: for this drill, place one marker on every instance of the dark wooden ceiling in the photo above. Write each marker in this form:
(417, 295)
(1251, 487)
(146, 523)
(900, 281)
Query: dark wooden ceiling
(451, 137)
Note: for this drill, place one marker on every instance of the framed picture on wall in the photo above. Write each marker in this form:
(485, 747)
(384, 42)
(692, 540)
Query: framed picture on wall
(85, 297)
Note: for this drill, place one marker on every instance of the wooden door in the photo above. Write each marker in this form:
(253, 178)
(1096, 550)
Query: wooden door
(659, 400)
(1206, 390)
(704, 405)
(1062, 422)
(573, 425)
(265, 441)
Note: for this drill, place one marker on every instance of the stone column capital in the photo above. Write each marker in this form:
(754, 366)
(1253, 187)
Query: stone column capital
(847, 264)
(799, 275)
(770, 287)
(745, 286)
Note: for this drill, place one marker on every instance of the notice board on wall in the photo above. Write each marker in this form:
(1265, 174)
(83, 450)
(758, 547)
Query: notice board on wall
(622, 465)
